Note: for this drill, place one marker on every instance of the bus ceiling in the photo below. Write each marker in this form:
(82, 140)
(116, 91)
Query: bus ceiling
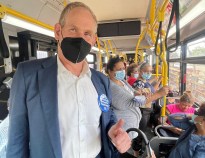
(111, 14)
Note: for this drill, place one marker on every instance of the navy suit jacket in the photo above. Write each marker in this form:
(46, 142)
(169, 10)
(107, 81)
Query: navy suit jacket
(34, 126)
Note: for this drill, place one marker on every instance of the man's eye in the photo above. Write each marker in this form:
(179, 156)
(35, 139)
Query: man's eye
(88, 34)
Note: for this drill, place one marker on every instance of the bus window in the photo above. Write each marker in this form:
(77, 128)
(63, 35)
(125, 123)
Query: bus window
(41, 54)
(176, 54)
(174, 75)
(195, 81)
(196, 48)
(91, 60)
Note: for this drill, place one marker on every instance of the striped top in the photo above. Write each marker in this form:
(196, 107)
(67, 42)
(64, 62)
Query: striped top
(125, 106)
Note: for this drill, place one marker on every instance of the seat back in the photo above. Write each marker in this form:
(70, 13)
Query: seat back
(162, 145)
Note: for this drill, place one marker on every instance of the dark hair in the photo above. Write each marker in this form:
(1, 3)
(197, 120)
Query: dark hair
(201, 111)
(131, 68)
(112, 61)
(187, 97)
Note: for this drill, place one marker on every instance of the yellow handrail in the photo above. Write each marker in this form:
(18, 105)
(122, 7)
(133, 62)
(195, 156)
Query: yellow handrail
(110, 44)
(106, 50)
(152, 12)
(165, 78)
(99, 52)
(27, 18)
(139, 41)
(65, 3)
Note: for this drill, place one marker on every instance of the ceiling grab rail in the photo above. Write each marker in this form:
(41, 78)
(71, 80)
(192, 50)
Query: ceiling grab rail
(4, 51)
(142, 35)
(175, 11)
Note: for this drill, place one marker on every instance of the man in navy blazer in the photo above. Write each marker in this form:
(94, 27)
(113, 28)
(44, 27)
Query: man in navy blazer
(40, 95)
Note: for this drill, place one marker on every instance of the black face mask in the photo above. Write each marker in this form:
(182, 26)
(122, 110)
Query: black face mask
(75, 49)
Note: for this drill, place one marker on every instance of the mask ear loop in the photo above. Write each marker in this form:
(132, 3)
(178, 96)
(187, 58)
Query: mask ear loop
(58, 41)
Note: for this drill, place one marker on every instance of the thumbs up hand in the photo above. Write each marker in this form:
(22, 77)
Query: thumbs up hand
(119, 137)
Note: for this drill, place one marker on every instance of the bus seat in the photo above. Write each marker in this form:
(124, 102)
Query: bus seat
(162, 145)
(163, 131)
(146, 141)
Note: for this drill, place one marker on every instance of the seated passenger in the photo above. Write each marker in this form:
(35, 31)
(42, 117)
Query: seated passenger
(191, 143)
(184, 106)
(124, 103)
(132, 73)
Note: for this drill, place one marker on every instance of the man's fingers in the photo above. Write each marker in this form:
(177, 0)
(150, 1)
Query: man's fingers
(122, 142)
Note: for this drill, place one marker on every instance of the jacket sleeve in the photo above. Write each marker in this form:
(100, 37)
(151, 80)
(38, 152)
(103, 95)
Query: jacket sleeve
(18, 137)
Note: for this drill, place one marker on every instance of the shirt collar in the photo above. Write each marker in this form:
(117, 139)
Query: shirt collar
(62, 69)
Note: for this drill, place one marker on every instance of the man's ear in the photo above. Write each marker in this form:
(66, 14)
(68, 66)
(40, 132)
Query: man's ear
(57, 31)
(94, 40)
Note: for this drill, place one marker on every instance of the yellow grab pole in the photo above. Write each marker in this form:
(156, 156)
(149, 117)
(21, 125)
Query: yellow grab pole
(106, 49)
(27, 18)
(109, 42)
(152, 12)
(156, 68)
(141, 56)
(65, 3)
(164, 5)
(139, 41)
(165, 79)
(100, 55)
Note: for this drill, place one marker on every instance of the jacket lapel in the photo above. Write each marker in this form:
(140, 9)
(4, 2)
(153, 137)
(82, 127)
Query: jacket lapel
(47, 79)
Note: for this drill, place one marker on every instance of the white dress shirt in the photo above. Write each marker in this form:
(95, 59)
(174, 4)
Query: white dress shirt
(78, 113)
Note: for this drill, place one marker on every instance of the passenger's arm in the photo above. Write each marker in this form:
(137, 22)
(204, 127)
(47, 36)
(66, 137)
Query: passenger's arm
(18, 141)
(160, 93)
(176, 130)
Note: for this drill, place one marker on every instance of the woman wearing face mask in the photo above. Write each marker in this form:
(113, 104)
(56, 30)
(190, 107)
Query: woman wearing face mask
(124, 103)
(191, 143)
(132, 73)
(142, 82)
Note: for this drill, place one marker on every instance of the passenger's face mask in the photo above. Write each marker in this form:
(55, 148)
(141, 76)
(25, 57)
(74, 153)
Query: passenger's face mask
(146, 76)
(193, 120)
(120, 75)
(75, 49)
(136, 75)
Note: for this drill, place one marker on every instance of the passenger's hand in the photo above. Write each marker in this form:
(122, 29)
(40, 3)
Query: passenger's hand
(177, 130)
(119, 137)
(160, 79)
(146, 92)
(153, 155)
(163, 91)
(189, 115)
(138, 92)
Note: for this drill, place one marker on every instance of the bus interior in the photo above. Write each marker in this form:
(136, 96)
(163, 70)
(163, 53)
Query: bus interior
(137, 31)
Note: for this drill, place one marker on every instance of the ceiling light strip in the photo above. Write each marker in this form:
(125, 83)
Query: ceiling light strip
(27, 18)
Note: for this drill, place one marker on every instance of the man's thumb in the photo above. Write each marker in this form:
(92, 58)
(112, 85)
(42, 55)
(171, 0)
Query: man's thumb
(119, 124)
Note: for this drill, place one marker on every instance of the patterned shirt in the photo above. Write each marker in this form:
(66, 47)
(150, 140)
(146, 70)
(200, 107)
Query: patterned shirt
(4, 125)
